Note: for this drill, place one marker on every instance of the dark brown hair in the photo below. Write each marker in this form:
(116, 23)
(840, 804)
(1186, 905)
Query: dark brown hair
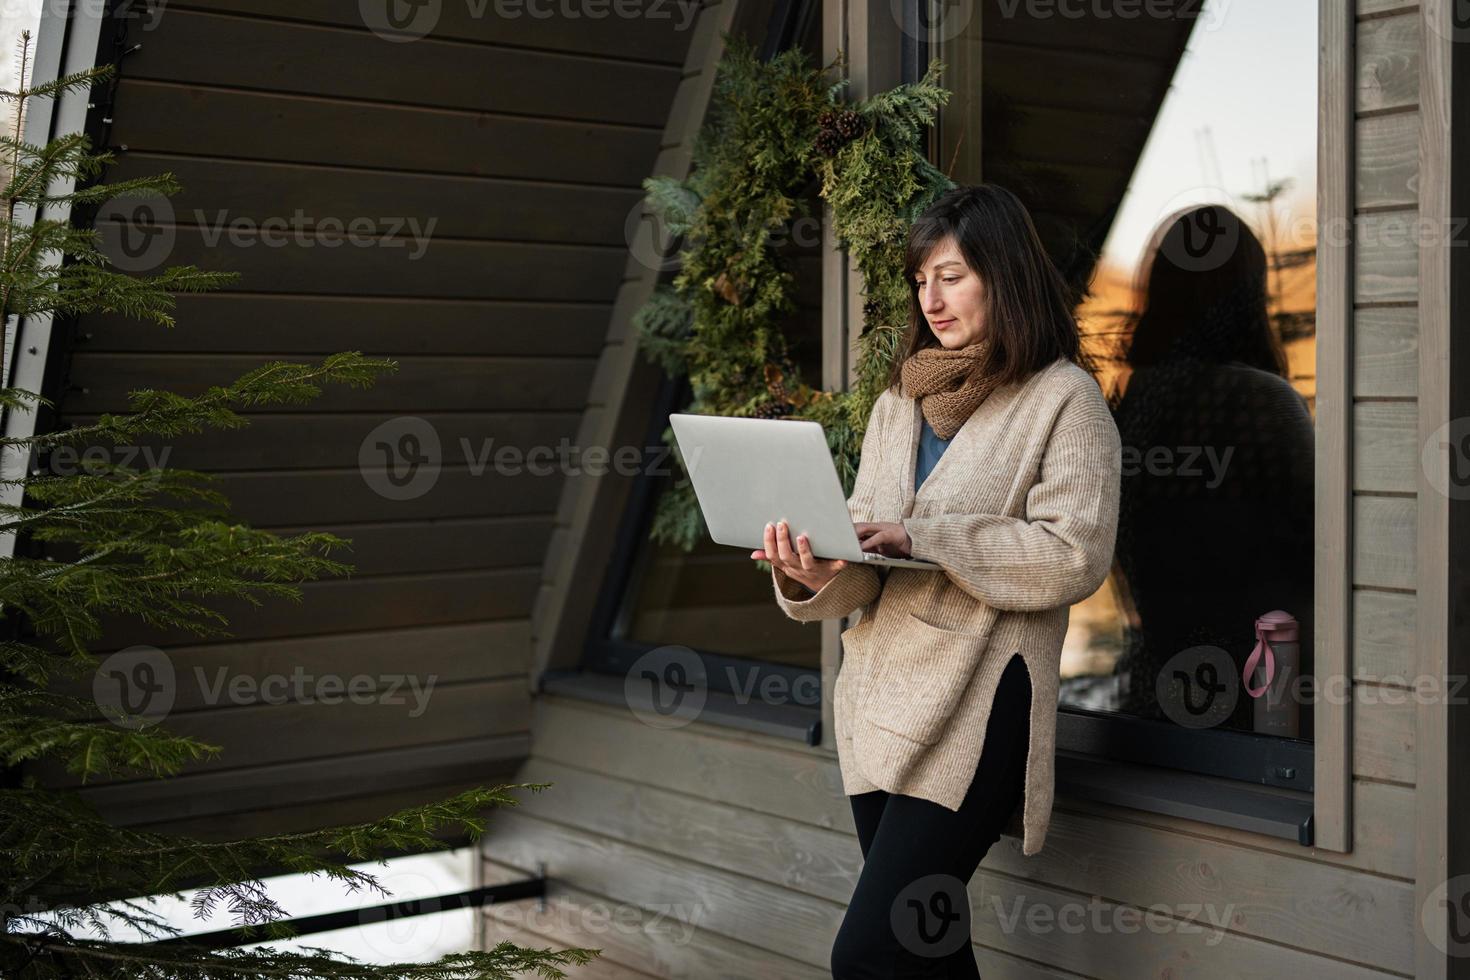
(1205, 294)
(1028, 305)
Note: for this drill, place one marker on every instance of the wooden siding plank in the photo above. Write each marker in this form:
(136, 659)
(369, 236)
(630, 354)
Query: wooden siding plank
(657, 32)
(1383, 541)
(1383, 634)
(400, 326)
(1386, 254)
(233, 792)
(309, 498)
(465, 207)
(1388, 62)
(289, 818)
(1385, 446)
(451, 654)
(1377, 8)
(1388, 160)
(420, 385)
(1383, 732)
(288, 129)
(355, 64)
(388, 258)
(285, 440)
(273, 734)
(1386, 352)
(348, 605)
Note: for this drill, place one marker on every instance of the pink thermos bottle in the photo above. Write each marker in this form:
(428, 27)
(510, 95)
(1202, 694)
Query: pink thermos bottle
(1270, 673)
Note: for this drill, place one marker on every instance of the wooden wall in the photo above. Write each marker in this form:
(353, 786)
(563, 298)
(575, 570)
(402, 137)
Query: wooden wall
(710, 852)
(524, 141)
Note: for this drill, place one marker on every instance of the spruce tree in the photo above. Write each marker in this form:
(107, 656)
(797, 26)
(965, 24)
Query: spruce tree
(158, 544)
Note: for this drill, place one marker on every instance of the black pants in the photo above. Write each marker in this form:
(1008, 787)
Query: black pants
(910, 913)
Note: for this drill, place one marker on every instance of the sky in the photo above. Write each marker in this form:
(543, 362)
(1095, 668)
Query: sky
(1250, 75)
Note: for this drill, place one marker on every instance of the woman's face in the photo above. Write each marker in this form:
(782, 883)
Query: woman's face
(952, 297)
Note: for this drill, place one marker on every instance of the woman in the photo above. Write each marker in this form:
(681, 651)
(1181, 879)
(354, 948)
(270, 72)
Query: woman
(945, 704)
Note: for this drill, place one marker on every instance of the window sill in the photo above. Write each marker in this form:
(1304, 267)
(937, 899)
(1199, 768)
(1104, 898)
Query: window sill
(800, 723)
(1265, 810)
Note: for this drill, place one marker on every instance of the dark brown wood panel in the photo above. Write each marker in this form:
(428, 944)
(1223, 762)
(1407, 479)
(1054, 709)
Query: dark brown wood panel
(393, 259)
(392, 325)
(357, 64)
(453, 654)
(427, 546)
(306, 440)
(420, 385)
(297, 795)
(345, 605)
(659, 33)
(321, 497)
(519, 210)
(272, 812)
(257, 126)
(272, 734)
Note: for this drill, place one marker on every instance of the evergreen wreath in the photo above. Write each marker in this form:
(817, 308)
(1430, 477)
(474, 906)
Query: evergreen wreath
(773, 127)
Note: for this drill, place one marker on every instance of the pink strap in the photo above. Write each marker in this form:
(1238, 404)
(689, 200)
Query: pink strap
(1262, 643)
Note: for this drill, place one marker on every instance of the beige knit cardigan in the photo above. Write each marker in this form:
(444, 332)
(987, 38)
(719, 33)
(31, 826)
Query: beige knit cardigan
(1022, 512)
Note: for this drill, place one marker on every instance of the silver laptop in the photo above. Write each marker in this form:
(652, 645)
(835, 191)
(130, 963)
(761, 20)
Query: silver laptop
(748, 472)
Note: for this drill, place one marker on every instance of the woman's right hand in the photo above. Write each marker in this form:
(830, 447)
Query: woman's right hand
(797, 561)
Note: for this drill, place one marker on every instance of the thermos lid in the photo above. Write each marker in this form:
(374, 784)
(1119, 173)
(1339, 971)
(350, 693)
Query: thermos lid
(1280, 624)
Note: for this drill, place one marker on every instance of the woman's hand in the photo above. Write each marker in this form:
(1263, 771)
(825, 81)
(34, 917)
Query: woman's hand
(885, 538)
(797, 562)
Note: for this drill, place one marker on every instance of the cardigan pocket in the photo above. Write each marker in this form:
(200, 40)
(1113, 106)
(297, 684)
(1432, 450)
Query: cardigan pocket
(915, 687)
(847, 674)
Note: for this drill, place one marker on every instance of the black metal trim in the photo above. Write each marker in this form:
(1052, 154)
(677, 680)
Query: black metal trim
(307, 925)
(1213, 800)
(1264, 760)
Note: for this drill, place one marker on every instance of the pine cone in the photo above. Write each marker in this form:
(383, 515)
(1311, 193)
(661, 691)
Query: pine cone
(726, 289)
(772, 410)
(776, 383)
(828, 142)
(850, 124)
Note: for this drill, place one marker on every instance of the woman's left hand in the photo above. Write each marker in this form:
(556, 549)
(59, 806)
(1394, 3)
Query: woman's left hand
(884, 538)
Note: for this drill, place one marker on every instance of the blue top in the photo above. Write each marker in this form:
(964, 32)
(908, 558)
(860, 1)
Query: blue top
(931, 447)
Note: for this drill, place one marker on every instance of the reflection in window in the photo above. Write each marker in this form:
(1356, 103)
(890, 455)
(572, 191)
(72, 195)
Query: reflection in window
(1169, 160)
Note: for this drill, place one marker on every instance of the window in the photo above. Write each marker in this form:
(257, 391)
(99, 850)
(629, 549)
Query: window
(710, 608)
(1168, 156)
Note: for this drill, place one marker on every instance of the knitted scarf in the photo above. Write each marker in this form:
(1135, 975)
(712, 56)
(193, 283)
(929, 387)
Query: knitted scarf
(936, 376)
